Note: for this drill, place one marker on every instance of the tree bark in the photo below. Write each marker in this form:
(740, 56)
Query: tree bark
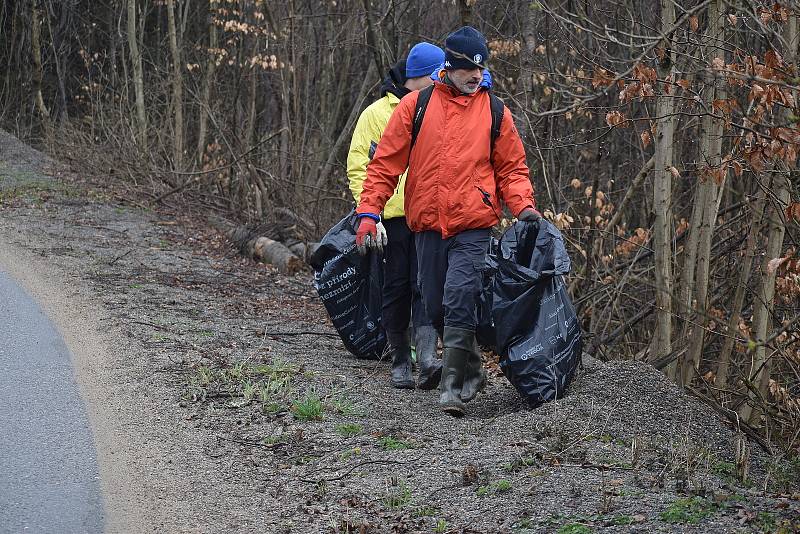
(36, 49)
(760, 372)
(177, 86)
(710, 193)
(662, 193)
(347, 131)
(465, 11)
(138, 76)
(745, 267)
(208, 82)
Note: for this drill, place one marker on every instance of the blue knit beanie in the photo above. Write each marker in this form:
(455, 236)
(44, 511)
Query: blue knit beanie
(465, 48)
(422, 59)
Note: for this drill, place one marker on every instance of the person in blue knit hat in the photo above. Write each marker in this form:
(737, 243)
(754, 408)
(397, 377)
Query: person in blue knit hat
(422, 59)
(402, 302)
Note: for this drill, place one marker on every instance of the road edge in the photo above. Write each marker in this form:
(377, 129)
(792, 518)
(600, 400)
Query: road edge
(78, 320)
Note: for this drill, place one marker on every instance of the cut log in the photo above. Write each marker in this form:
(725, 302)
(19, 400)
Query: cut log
(303, 250)
(275, 253)
(259, 247)
(300, 250)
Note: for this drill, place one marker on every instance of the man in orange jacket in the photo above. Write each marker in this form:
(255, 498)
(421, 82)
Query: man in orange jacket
(456, 176)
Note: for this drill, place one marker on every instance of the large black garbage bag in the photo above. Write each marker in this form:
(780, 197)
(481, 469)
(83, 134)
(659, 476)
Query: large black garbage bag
(350, 286)
(484, 332)
(537, 331)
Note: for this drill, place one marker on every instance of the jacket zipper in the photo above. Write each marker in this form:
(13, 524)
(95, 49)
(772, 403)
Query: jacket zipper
(487, 199)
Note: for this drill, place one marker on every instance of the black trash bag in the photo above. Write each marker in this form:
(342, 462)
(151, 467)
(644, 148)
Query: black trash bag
(484, 332)
(537, 331)
(350, 286)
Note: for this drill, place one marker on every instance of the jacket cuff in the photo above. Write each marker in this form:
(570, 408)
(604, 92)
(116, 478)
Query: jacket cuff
(531, 206)
(376, 218)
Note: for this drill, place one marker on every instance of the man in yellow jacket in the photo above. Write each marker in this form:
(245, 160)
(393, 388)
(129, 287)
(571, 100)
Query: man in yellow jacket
(402, 301)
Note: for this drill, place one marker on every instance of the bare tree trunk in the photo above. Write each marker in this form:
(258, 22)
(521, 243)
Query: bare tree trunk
(369, 80)
(741, 287)
(208, 82)
(686, 293)
(177, 86)
(710, 193)
(375, 40)
(59, 54)
(760, 373)
(662, 193)
(36, 45)
(465, 10)
(250, 128)
(138, 76)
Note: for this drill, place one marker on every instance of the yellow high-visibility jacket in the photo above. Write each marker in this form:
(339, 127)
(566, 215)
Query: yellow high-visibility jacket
(366, 136)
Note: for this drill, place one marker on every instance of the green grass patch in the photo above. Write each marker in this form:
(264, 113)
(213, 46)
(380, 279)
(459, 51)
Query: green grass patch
(397, 496)
(309, 408)
(345, 406)
(690, 511)
(501, 486)
(427, 511)
(574, 528)
(391, 443)
(270, 385)
(785, 476)
(348, 430)
(579, 521)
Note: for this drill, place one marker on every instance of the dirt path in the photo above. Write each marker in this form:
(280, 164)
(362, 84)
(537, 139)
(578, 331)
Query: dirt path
(234, 408)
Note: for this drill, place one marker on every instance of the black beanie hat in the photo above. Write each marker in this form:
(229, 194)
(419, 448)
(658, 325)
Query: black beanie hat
(465, 48)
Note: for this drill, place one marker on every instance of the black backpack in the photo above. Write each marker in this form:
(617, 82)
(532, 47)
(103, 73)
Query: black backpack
(496, 105)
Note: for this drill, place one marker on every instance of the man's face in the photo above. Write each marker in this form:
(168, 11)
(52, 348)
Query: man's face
(466, 80)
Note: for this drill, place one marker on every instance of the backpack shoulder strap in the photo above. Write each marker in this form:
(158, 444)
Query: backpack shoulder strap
(498, 109)
(419, 113)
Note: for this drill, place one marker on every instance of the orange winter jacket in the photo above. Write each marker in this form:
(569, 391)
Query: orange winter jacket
(454, 181)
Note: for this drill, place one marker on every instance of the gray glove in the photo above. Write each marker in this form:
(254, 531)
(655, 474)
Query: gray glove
(381, 238)
(529, 214)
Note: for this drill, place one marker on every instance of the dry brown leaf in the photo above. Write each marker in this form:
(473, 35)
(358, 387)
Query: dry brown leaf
(755, 92)
(694, 23)
(773, 59)
(615, 118)
(793, 211)
(733, 19)
(674, 171)
(646, 139)
(601, 78)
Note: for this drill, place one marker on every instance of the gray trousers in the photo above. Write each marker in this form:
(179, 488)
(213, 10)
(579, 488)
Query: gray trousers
(449, 276)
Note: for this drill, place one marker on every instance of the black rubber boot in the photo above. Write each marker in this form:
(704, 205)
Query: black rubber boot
(474, 379)
(475, 375)
(430, 368)
(400, 349)
(453, 367)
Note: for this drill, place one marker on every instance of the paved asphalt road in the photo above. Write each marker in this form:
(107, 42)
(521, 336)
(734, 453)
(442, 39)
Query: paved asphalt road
(49, 478)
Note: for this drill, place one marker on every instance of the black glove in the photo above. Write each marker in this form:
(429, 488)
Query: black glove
(529, 214)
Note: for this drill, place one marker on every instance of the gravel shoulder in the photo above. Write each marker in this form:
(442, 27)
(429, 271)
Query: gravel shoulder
(222, 401)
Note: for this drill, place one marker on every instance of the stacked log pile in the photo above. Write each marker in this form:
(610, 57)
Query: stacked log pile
(280, 242)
